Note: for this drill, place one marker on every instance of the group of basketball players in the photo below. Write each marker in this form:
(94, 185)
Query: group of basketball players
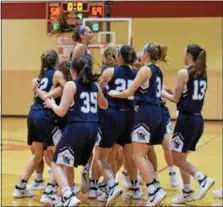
(122, 114)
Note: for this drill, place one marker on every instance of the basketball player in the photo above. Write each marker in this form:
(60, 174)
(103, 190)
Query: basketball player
(147, 87)
(64, 68)
(120, 113)
(79, 102)
(82, 36)
(41, 121)
(108, 60)
(189, 96)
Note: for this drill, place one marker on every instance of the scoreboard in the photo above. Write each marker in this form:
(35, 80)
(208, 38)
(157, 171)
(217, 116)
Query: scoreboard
(73, 12)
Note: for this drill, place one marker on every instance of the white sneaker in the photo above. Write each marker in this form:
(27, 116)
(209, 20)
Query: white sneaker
(125, 180)
(75, 189)
(36, 185)
(102, 188)
(22, 193)
(218, 193)
(93, 189)
(50, 198)
(173, 179)
(85, 181)
(114, 192)
(183, 197)
(103, 197)
(204, 186)
(70, 201)
(136, 193)
(155, 199)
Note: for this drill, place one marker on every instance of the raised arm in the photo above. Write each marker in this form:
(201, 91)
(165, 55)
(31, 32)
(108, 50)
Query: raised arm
(182, 78)
(67, 99)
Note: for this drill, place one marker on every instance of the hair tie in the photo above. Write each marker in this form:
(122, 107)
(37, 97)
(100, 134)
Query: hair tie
(82, 28)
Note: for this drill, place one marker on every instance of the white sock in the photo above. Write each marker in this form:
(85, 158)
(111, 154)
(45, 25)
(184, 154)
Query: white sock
(39, 176)
(171, 169)
(49, 188)
(156, 175)
(111, 182)
(199, 176)
(187, 187)
(66, 192)
(87, 167)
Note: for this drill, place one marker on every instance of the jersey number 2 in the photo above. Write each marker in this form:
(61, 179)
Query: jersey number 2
(89, 99)
(43, 84)
(199, 90)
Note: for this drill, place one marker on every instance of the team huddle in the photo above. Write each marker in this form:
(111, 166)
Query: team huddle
(111, 121)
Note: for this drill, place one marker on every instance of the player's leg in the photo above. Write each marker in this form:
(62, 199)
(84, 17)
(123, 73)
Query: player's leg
(20, 190)
(185, 140)
(169, 160)
(38, 182)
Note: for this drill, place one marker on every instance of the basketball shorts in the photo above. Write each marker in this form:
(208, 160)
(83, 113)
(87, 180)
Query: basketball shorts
(42, 128)
(188, 130)
(76, 144)
(149, 126)
(115, 128)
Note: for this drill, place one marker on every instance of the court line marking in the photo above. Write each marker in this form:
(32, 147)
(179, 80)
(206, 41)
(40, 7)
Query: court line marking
(14, 140)
(205, 143)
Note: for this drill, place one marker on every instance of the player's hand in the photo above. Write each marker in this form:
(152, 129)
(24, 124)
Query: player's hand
(137, 65)
(113, 93)
(103, 84)
(169, 90)
(35, 84)
(49, 102)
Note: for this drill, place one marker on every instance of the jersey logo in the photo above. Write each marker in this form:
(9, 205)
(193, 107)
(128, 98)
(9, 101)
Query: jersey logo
(141, 134)
(66, 157)
(177, 142)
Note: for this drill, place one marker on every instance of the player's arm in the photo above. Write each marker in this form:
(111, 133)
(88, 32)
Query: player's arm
(182, 78)
(102, 101)
(55, 93)
(143, 74)
(78, 51)
(106, 76)
(66, 100)
(58, 79)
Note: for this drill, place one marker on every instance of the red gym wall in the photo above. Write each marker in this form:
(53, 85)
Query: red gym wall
(176, 24)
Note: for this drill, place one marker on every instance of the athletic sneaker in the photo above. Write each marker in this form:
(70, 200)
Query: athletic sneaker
(218, 193)
(50, 198)
(93, 189)
(102, 187)
(136, 193)
(183, 197)
(36, 185)
(204, 185)
(155, 198)
(85, 181)
(75, 189)
(125, 180)
(173, 179)
(22, 192)
(114, 192)
(69, 201)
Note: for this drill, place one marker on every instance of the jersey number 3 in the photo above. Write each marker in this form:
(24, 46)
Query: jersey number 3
(199, 90)
(89, 102)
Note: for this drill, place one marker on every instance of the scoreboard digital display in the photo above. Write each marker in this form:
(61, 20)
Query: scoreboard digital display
(73, 12)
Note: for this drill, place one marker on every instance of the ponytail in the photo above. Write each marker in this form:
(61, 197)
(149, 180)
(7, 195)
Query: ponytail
(83, 68)
(163, 49)
(86, 76)
(49, 59)
(156, 52)
(199, 69)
